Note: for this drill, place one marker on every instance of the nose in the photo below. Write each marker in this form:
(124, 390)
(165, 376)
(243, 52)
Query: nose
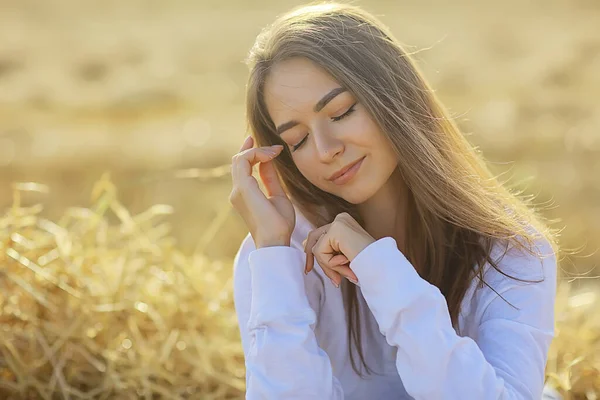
(328, 145)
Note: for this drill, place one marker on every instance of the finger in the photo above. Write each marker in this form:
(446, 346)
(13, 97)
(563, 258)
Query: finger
(308, 244)
(330, 261)
(248, 143)
(243, 162)
(311, 240)
(310, 259)
(346, 272)
(270, 179)
(338, 259)
(333, 276)
(338, 263)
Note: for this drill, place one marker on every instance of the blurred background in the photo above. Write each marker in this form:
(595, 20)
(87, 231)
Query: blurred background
(153, 92)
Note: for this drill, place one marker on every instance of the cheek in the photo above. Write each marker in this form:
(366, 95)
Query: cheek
(309, 171)
(365, 132)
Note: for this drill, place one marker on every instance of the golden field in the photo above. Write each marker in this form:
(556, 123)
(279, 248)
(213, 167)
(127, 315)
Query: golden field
(119, 285)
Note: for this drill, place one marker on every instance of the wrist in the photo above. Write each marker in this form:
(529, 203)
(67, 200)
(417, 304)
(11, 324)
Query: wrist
(360, 247)
(272, 243)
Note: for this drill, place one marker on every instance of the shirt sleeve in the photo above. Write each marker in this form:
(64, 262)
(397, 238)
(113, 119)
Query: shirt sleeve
(505, 361)
(283, 359)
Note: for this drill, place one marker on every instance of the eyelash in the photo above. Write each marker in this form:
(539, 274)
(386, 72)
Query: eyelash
(335, 119)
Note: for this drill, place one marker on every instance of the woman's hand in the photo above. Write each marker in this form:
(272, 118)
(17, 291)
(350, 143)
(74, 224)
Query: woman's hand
(270, 219)
(335, 245)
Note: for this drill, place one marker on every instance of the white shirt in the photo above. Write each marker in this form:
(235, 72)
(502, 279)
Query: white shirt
(294, 330)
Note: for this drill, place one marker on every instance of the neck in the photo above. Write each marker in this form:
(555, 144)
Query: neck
(384, 214)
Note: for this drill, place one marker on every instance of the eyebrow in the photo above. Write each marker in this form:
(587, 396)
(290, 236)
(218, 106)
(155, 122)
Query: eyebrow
(318, 107)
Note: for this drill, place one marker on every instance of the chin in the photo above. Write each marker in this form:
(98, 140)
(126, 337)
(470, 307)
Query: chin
(357, 199)
(353, 195)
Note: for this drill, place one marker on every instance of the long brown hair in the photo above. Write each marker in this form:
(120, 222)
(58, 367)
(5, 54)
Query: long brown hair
(457, 209)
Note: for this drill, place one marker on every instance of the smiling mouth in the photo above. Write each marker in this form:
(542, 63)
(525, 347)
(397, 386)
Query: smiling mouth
(349, 174)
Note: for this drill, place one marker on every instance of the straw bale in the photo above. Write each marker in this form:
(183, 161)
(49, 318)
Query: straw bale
(101, 304)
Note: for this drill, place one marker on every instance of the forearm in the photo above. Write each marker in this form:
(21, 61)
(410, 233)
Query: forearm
(283, 358)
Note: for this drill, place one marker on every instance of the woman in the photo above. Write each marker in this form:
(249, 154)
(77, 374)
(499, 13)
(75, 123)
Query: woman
(371, 185)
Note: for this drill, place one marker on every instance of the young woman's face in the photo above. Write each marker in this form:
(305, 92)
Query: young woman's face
(326, 130)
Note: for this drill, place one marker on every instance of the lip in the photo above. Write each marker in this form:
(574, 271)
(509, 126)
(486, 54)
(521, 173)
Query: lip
(345, 174)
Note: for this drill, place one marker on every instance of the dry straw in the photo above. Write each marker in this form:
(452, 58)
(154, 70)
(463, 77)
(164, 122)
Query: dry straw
(101, 304)
(574, 360)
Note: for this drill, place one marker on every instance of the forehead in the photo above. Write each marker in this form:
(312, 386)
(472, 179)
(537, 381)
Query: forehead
(296, 85)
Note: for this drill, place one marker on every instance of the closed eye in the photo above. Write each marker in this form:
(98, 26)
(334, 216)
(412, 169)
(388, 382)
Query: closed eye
(344, 115)
(335, 119)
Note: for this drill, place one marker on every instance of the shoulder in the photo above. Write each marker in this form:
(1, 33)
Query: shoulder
(529, 298)
(539, 264)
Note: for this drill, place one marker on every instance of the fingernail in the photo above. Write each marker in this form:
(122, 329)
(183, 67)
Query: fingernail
(277, 147)
(352, 280)
(334, 284)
